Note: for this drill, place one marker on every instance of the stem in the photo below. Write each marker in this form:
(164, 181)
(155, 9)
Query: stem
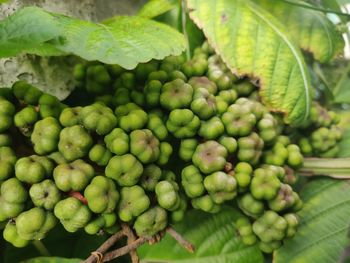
(125, 250)
(183, 242)
(133, 243)
(78, 196)
(131, 239)
(184, 31)
(333, 167)
(105, 246)
(300, 4)
(41, 248)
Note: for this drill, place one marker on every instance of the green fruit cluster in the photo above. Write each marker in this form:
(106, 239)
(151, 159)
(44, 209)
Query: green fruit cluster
(88, 166)
(320, 135)
(144, 147)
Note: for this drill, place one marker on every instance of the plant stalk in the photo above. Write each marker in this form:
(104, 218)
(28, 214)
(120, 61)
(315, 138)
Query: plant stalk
(338, 168)
(184, 30)
(41, 248)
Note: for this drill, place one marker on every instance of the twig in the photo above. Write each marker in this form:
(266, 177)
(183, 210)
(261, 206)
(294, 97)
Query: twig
(132, 244)
(105, 246)
(125, 250)
(131, 239)
(183, 242)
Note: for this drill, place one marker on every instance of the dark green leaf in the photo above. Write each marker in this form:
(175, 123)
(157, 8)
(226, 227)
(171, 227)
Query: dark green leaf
(252, 42)
(213, 236)
(325, 218)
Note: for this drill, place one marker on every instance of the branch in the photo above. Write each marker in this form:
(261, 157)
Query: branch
(183, 242)
(98, 254)
(125, 250)
(131, 239)
(133, 243)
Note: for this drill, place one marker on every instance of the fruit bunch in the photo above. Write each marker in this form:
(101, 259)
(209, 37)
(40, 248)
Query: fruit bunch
(320, 135)
(143, 147)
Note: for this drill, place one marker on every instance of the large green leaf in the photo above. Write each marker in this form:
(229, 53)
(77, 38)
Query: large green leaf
(325, 218)
(154, 8)
(252, 42)
(313, 31)
(126, 41)
(121, 40)
(214, 238)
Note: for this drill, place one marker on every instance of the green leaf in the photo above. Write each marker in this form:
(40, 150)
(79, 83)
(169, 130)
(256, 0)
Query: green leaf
(125, 41)
(322, 234)
(311, 29)
(121, 40)
(154, 8)
(213, 236)
(252, 42)
(52, 260)
(27, 29)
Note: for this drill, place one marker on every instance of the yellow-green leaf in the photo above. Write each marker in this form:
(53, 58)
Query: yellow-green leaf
(252, 42)
(311, 29)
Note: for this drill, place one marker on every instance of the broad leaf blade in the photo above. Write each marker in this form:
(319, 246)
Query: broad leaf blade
(311, 29)
(252, 42)
(154, 8)
(126, 41)
(214, 238)
(26, 29)
(325, 218)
